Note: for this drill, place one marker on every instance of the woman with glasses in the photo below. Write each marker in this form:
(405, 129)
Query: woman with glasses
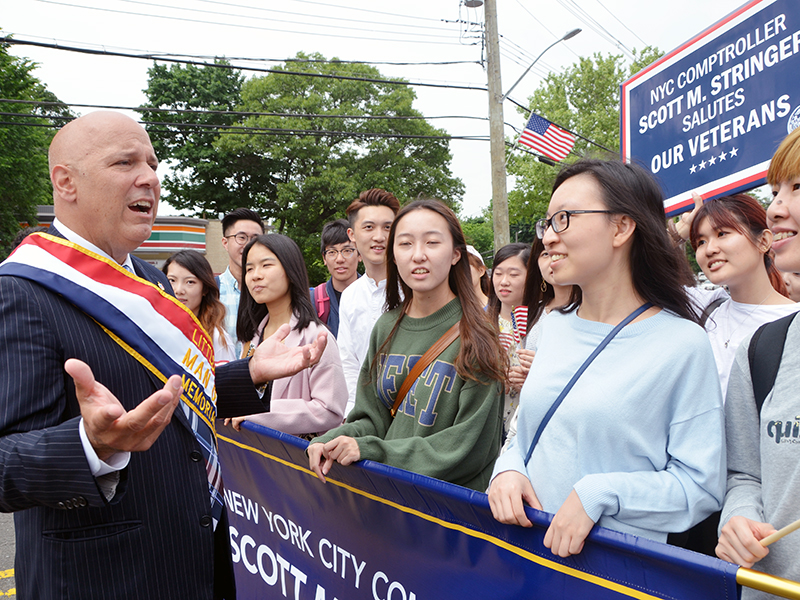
(275, 292)
(635, 437)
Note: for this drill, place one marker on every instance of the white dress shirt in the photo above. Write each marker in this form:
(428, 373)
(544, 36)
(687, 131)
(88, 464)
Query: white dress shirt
(362, 302)
(118, 461)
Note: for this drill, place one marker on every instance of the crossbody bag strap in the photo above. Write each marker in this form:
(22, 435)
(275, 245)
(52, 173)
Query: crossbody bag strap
(441, 344)
(612, 334)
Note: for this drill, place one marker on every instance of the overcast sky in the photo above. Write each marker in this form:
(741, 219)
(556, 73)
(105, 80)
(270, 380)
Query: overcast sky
(375, 31)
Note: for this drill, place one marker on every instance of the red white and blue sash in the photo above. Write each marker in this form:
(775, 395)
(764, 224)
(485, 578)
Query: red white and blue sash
(151, 325)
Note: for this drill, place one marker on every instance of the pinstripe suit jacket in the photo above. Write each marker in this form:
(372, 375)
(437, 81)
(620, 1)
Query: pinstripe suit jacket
(153, 539)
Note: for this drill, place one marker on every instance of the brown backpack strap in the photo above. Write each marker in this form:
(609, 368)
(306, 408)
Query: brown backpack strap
(441, 344)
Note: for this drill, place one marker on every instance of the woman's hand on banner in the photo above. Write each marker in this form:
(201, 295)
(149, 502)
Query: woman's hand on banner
(109, 427)
(274, 360)
(342, 449)
(235, 422)
(507, 493)
(740, 541)
(569, 527)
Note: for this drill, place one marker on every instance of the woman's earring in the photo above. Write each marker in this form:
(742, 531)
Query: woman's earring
(543, 286)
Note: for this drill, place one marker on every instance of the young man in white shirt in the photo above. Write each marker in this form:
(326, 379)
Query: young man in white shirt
(370, 216)
(238, 227)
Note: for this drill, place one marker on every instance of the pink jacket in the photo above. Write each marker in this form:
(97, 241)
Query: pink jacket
(313, 400)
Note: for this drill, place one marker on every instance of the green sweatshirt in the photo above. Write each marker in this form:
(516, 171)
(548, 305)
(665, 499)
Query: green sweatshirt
(446, 428)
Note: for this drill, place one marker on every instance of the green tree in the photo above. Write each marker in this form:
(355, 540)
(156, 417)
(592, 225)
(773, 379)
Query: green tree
(478, 232)
(332, 154)
(584, 98)
(24, 141)
(203, 179)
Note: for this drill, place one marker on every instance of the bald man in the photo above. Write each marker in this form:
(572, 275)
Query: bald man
(107, 443)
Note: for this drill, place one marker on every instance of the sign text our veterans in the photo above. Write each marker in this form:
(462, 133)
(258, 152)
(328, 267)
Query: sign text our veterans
(708, 116)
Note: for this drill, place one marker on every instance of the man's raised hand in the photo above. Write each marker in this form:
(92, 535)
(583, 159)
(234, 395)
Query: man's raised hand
(109, 427)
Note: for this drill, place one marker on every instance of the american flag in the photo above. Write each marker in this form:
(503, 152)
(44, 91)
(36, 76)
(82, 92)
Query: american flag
(552, 141)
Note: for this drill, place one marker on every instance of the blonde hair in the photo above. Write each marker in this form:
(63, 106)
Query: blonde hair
(785, 165)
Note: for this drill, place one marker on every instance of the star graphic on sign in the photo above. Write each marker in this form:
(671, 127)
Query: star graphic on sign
(722, 156)
(702, 165)
(692, 169)
(734, 151)
(712, 160)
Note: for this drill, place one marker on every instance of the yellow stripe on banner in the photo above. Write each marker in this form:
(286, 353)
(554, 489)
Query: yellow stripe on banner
(549, 564)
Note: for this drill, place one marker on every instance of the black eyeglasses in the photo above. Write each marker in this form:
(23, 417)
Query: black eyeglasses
(242, 238)
(560, 220)
(332, 253)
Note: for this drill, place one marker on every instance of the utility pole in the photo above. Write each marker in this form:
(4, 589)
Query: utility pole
(497, 136)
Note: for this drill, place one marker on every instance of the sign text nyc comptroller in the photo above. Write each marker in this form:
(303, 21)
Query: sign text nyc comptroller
(708, 116)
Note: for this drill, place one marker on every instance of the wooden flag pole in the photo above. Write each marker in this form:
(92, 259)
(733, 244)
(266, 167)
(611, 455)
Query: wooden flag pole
(780, 533)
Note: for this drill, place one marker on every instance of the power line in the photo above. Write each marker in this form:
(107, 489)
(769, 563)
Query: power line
(333, 61)
(10, 40)
(236, 113)
(275, 131)
(621, 23)
(273, 19)
(377, 12)
(534, 17)
(244, 26)
(314, 16)
(593, 24)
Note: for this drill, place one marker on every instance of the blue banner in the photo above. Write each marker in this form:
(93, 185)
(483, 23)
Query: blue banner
(709, 115)
(381, 533)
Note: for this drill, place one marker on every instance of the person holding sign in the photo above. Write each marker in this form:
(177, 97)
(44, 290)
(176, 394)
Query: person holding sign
(444, 421)
(763, 473)
(620, 420)
(732, 244)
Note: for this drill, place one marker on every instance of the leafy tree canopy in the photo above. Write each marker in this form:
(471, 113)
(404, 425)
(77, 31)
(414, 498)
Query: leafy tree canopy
(24, 141)
(299, 180)
(202, 180)
(584, 98)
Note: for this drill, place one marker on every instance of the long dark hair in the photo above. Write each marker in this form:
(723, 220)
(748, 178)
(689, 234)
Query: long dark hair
(744, 214)
(523, 251)
(538, 292)
(484, 281)
(659, 270)
(211, 313)
(480, 351)
(291, 258)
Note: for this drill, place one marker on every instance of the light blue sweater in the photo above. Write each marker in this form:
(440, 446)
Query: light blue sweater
(641, 435)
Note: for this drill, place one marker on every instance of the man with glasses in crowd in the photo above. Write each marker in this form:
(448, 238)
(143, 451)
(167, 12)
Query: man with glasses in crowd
(341, 259)
(238, 227)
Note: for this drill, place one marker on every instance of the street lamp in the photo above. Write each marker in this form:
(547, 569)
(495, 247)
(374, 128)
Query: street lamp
(497, 148)
(567, 36)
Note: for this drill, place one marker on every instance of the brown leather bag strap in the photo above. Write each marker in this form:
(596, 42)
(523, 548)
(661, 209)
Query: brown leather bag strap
(441, 344)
